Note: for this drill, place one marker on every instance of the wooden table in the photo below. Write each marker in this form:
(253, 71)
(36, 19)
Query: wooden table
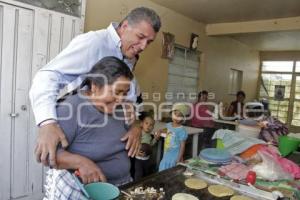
(190, 130)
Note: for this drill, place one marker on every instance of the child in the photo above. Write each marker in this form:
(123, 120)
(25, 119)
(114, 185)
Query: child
(147, 142)
(176, 136)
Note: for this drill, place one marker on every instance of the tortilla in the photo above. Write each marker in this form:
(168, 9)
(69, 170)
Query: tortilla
(195, 183)
(188, 173)
(220, 190)
(183, 196)
(240, 197)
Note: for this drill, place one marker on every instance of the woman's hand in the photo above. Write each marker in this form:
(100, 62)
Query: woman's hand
(90, 172)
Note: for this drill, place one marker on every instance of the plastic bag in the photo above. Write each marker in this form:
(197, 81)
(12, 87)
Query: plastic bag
(270, 168)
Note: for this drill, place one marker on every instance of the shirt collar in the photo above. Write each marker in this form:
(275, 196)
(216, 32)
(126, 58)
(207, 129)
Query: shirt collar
(113, 33)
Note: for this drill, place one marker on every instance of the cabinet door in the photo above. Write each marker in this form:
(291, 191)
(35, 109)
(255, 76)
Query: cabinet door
(29, 38)
(17, 39)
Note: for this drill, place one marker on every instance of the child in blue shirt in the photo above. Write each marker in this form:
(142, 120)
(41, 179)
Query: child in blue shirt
(176, 135)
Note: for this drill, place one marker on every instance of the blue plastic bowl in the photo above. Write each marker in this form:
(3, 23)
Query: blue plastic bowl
(220, 156)
(102, 191)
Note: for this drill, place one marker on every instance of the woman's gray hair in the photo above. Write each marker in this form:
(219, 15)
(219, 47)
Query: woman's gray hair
(143, 14)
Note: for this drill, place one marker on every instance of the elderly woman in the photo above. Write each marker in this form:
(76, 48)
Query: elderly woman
(93, 128)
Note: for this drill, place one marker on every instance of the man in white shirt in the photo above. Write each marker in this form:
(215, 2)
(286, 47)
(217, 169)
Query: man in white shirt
(124, 40)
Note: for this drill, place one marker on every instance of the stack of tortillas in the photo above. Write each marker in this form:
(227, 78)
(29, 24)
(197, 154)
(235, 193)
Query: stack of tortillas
(195, 183)
(220, 190)
(240, 197)
(184, 196)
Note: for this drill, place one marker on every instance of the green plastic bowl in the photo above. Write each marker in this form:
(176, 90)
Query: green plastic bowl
(102, 191)
(288, 145)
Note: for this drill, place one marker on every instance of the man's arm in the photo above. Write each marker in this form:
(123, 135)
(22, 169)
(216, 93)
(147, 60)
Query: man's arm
(133, 136)
(73, 61)
(76, 59)
(43, 95)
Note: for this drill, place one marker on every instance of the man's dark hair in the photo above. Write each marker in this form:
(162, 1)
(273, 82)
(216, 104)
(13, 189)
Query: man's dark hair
(242, 93)
(204, 92)
(143, 14)
(107, 71)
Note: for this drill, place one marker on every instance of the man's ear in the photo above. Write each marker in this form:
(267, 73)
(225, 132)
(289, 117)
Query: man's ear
(124, 25)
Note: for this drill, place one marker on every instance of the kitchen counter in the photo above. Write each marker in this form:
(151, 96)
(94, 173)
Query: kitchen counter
(172, 182)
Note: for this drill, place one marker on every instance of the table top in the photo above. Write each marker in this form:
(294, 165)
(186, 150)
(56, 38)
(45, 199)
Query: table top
(225, 121)
(172, 181)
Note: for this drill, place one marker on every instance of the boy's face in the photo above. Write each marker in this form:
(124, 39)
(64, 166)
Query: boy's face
(148, 124)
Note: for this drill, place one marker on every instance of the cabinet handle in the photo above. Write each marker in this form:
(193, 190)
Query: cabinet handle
(14, 114)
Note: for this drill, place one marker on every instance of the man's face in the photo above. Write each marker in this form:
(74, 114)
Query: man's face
(135, 38)
(240, 98)
(204, 97)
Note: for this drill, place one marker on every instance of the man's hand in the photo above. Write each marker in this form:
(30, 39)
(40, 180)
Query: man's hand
(129, 113)
(49, 137)
(133, 137)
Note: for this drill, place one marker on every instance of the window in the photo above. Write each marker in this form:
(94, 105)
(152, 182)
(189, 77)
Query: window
(298, 66)
(275, 74)
(284, 75)
(70, 7)
(235, 81)
(277, 66)
(183, 75)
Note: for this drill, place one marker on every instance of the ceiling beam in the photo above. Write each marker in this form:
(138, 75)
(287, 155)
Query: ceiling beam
(281, 24)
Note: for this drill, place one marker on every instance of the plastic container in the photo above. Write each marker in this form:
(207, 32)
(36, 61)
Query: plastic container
(102, 191)
(251, 177)
(220, 144)
(288, 145)
(249, 131)
(217, 156)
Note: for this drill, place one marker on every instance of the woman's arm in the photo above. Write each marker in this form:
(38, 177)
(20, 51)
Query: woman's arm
(181, 151)
(89, 171)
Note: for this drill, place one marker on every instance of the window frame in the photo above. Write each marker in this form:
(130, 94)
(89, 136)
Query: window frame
(185, 69)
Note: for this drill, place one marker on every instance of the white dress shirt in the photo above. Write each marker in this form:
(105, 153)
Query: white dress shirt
(68, 67)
